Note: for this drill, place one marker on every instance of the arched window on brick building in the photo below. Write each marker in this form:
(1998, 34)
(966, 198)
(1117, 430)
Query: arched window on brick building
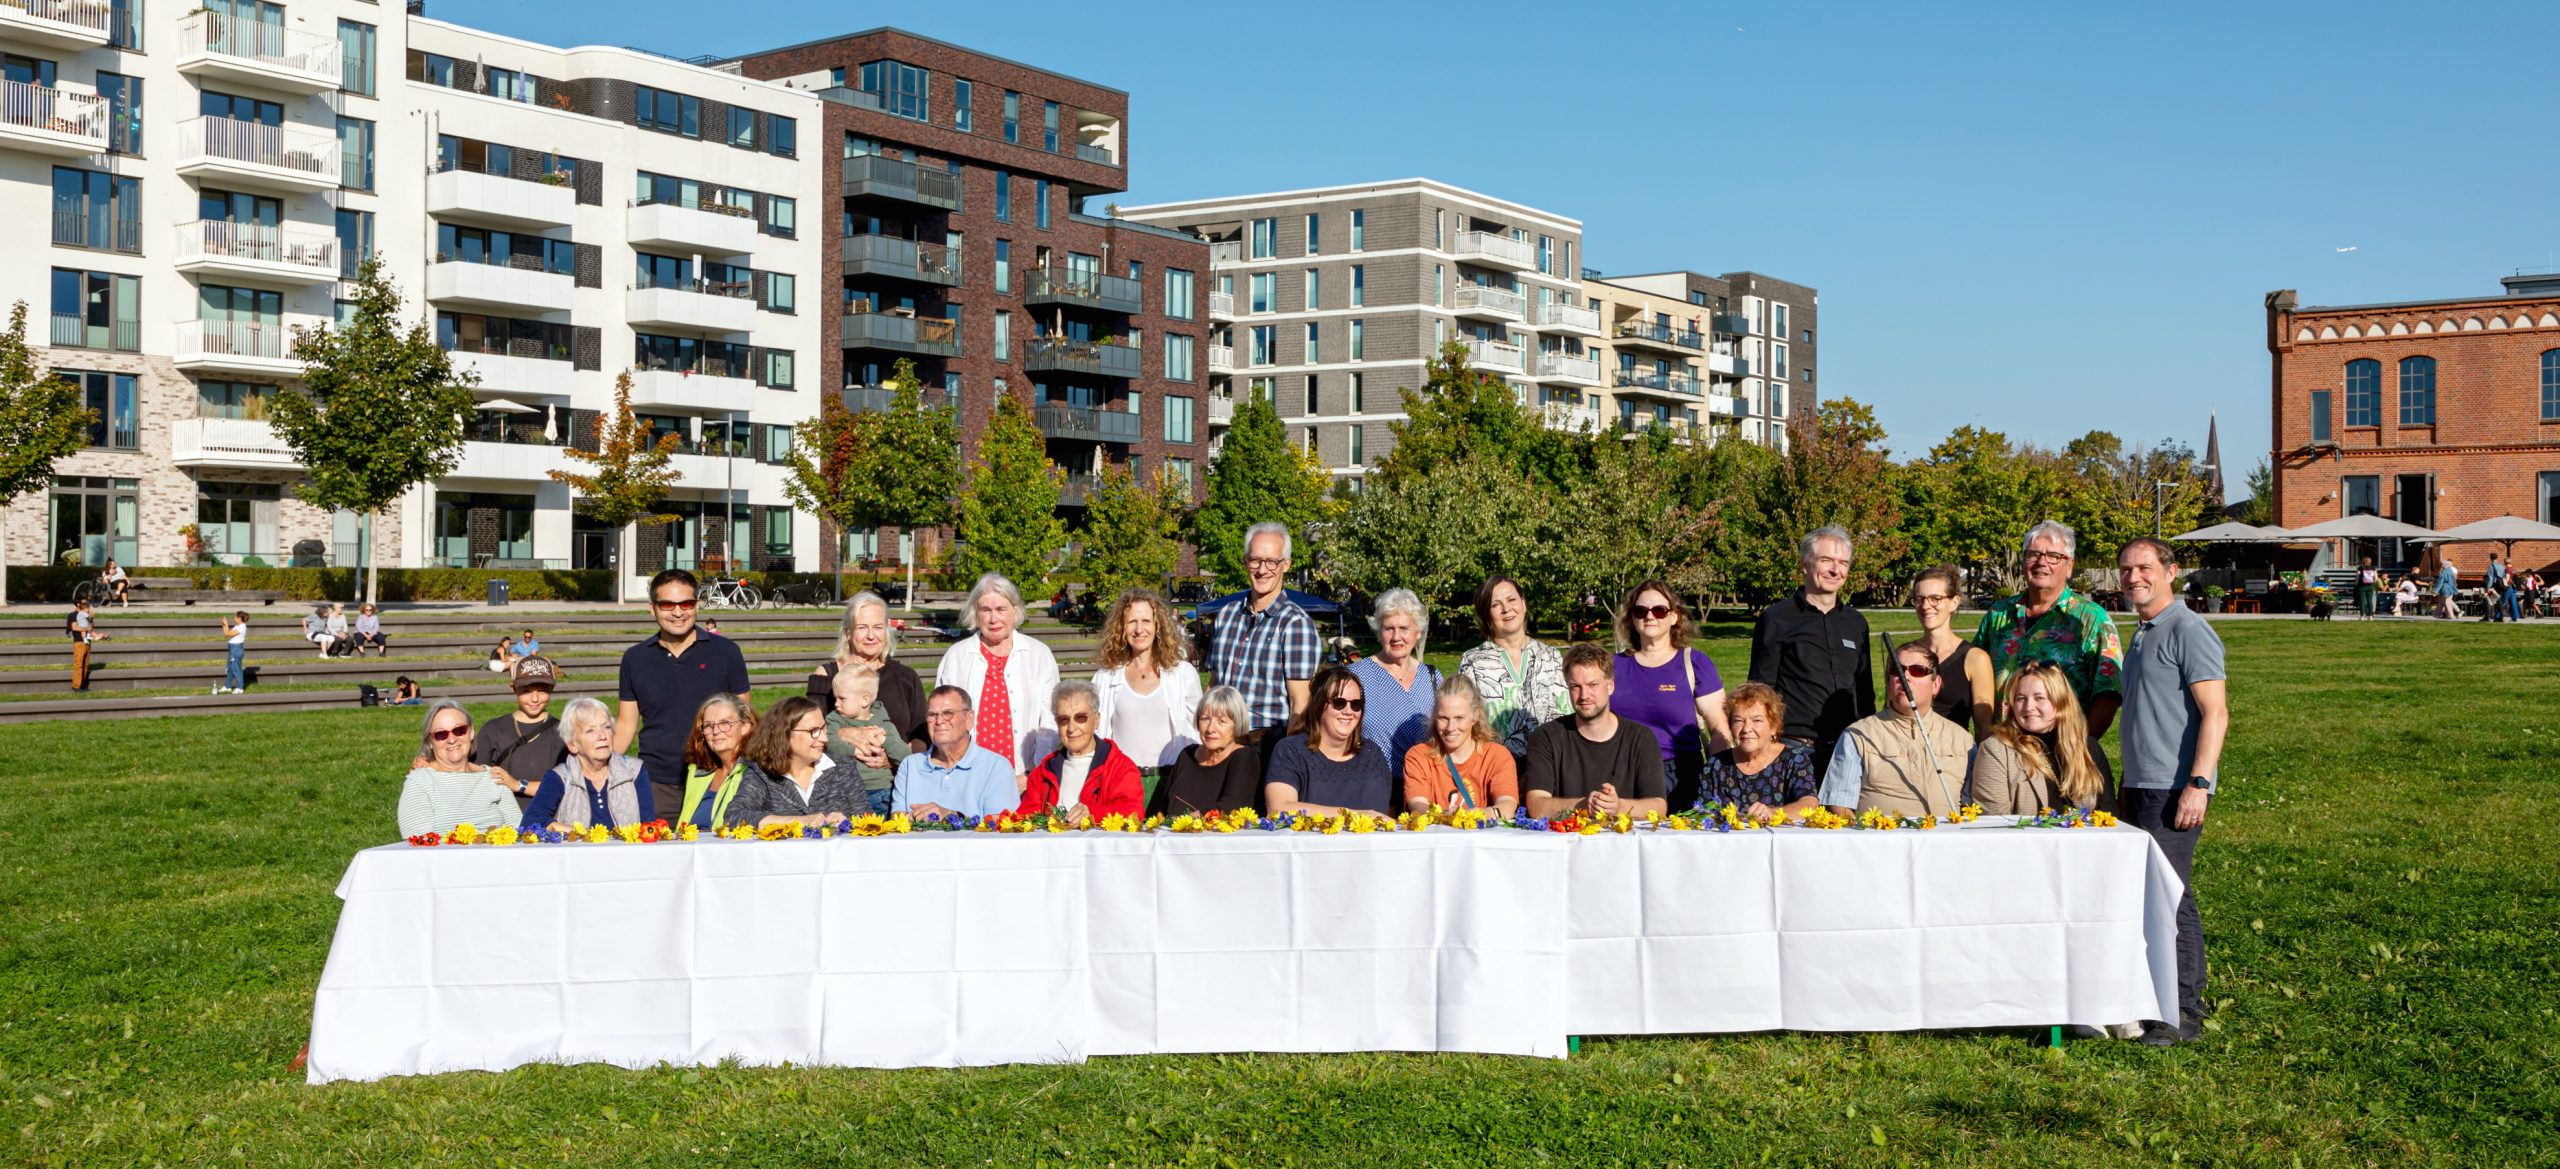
(2364, 392)
(2417, 391)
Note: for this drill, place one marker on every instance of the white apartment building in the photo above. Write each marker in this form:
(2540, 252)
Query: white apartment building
(200, 179)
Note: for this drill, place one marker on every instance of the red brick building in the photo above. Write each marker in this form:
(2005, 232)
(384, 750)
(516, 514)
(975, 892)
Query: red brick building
(956, 185)
(2435, 412)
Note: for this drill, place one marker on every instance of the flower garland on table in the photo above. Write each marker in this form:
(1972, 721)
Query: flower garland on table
(466, 833)
(2068, 818)
(1462, 819)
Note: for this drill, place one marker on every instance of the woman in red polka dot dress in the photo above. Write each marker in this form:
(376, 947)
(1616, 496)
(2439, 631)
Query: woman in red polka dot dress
(1008, 676)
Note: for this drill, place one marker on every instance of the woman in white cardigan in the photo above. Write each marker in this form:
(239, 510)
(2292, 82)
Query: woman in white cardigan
(1008, 676)
(1150, 692)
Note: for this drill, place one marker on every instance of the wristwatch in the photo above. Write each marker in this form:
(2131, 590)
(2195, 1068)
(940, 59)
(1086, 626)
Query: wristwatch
(2200, 782)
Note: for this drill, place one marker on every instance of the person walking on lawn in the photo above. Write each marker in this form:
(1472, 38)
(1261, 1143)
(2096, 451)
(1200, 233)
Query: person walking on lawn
(83, 627)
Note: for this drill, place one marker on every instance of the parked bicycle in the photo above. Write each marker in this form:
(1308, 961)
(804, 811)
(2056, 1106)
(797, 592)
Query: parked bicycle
(729, 592)
(806, 592)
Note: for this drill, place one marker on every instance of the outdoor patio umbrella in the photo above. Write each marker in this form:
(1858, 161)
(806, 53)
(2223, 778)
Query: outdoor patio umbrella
(2235, 532)
(2360, 527)
(2505, 529)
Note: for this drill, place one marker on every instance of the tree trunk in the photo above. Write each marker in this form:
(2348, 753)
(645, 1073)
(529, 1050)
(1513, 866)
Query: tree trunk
(622, 563)
(371, 556)
(4, 558)
(910, 558)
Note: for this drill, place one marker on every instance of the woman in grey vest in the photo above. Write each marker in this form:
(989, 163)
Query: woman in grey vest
(593, 785)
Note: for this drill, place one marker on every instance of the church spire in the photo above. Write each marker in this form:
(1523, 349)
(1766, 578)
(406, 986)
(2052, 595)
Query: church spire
(2212, 464)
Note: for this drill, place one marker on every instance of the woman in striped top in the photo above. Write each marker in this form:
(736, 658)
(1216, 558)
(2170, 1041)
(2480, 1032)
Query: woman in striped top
(446, 788)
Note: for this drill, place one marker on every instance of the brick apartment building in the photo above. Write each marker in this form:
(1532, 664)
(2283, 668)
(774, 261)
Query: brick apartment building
(2433, 412)
(958, 183)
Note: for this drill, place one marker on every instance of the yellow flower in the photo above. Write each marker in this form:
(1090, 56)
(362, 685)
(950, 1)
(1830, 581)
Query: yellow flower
(688, 831)
(502, 834)
(2102, 819)
(463, 833)
(596, 834)
(630, 833)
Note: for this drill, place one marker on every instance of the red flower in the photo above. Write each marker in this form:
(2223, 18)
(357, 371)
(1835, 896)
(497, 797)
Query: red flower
(428, 840)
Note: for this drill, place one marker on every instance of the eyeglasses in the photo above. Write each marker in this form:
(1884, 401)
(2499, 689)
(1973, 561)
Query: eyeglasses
(819, 731)
(945, 714)
(1352, 704)
(1077, 719)
(1933, 598)
(1655, 612)
(1275, 564)
(450, 733)
(1918, 670)
(684, 606)
(726, 724)
(2043, 557)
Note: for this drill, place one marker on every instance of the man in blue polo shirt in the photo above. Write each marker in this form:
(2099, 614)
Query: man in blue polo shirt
(665, 681)
(2175, 716)
(956, 775)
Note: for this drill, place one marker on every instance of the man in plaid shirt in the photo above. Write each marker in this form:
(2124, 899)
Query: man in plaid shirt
(1267, 647)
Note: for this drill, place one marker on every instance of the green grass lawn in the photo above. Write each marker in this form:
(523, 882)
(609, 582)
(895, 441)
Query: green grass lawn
(2381, 892)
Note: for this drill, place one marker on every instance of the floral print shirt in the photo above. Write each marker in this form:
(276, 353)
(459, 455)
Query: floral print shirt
(1784, 781)
(1518, 700)
(2076, 634)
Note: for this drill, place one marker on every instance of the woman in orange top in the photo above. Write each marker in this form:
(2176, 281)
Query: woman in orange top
(1463, 764)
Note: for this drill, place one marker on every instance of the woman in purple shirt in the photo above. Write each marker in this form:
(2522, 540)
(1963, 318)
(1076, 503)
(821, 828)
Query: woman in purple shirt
(1669, 687)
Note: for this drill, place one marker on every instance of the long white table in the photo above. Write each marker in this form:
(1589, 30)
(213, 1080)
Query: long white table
(938, 949)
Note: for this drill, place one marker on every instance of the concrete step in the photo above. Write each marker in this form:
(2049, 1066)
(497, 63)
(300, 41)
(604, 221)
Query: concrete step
(121, 651)
(632, 624)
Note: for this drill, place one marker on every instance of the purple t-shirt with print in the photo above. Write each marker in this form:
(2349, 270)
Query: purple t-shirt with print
(1660, 698)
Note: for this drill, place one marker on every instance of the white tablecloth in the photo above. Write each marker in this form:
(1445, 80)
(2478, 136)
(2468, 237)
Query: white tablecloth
(947, 950)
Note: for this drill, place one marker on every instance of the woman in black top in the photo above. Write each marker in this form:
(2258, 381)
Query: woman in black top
(1216, 773)
(866, 638)
(1965, 689)
(1324, 767)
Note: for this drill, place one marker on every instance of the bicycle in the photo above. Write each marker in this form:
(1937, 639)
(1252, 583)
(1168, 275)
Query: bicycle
(729, 592)
(807, 592)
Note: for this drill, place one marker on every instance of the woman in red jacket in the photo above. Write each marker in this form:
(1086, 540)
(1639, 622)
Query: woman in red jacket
(1086, 778)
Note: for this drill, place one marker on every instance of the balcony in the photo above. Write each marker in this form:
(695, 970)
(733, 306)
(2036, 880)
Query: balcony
(513, 374)
(477, 283)
(1084, 424)
(1654, 381)
(870, 175)
(231, 153)
(1732, 324)
(706, 387)
(474, 197)
(254, 347)
(902, 259)
(1565, 367)
(1485, 302)
(1487, 250)
(1061, 355)
(1718, 405)
(1570, 419)
(1655, 335)
(1077, 490)
(1110, 294)
(43, 120)
(1497, 356)
(214, 46)
(1222, 359)
(1229, 252)
(704, 306)
(257, 252)
(72, 331)
(242, 444)
(1222, 306)
(1728, 365)
(1222, 411)
(513, 461)
(69, 25)
(900, 333)
(1091, 153)
(877, 400)
(1559, 317)
(712, 229)
(97, 228)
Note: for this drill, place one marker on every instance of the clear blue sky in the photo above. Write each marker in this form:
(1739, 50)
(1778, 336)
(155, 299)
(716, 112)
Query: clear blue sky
(2037, 218)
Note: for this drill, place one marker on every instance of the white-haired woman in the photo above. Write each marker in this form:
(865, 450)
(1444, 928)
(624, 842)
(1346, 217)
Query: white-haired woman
(868, 639)
(1215, 774)
(1150, 691)
(1087, 777)
(593, 785)
(1399, 685)
(445, 787)
(1008, 676)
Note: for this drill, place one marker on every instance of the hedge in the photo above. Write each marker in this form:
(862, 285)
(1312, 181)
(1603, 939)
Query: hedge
(55, 584)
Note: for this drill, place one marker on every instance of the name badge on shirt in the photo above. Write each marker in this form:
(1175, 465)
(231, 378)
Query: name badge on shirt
(1845, 643)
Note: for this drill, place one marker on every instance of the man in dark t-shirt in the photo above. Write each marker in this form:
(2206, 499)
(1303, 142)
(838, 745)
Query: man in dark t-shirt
(1595, 760)
(667, 678)
(526, 743)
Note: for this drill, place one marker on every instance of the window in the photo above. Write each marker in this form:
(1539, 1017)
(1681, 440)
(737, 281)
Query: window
(1177, 357)
(2417, 391)
(776, 372)
(2551, 385)
(1265, 292)
(742, 127)
(903, 89)
(240, 109)
(960, 106)
(2320, 417)
(691, 355)
(1265, 339)
(1315, 280)
(786, 137)
(355, 241)
(114, 415)
(1777, 361)
(1315, 336)
(1439, 284)
(1547, 254)
(355, 57)
(1359, 230)
(238, 520)
(1359, 399)
(2550, 493)
(1004, 265)
(781, 292)
(1265, 234)
(124, 28)
(1004, 197)
(124, 111)
(1439, 225)
(103, 211)
(2360, 495)
(1049, 126)
(1359, 285)
(1315, 229)
(219, 399)
(510, 85)
(1040, 193)
(1004, 335)
(673, 113)
(1778, 318)
(1012, 116)
(1177, 417)
(1178, 471)
(355, 154)
(432, 68)
(781, 216)
(1358, 329)
(1177, 305)
(2364, 393)
(97, 310)
(97, 517)
(1356, 452)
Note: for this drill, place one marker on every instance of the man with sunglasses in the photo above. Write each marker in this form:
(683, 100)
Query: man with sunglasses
(666, 679)
(2049, 622)
(1906, 759)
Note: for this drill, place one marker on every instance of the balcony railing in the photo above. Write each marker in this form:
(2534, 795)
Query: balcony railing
(1669, 383)
(1096, 154)
(530, 348)
(1488, 299)
(1229, 252)
(1565, 365)
(1559, 315)
(1222, 358)
(698, 365)
(1495, 355)
(1732, 324)
(88, 16)
(896, 178)
(93, 229)
(734, 289)
(882, 255)
(1222, 411)
(900, 333)
(1484, 247)
(54, 111)
(258, 242)
(875, 400)
(1661, 334)
(72, 332)
(1077, 490)
(1116, 294)
(295, 148)
(1087, 424)
(271, 45)
(256, 339)
(1062, 355)
(1222, 304)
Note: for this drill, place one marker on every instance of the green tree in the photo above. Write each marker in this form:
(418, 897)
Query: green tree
(2112, 494)
(899, 466)
(1461, 411)
(41, 421)
(1974, 495)
(1257, 476)
(380, 410)
(1009, 513)
(2260, 509)
(629, 473)
(1629, 520)
(1724, 475)
(1837, 474)
(1440, 534)
(1132, 533)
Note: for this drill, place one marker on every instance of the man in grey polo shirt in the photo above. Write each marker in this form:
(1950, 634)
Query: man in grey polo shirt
(2171, 731)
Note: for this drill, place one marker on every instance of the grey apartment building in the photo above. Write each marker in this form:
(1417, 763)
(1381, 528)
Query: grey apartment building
(1331, 301)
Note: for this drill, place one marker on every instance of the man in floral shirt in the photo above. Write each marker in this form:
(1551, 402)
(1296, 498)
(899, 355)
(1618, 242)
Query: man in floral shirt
(2050, 623)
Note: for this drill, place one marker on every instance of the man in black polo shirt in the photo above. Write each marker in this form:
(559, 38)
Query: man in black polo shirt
(665, 681)
(1813, 648)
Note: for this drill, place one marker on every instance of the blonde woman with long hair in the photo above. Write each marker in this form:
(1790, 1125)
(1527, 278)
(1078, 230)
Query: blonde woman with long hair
(2039, 756)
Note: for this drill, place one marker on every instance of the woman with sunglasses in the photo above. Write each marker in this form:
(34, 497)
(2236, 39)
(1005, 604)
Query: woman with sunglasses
(788, 778)
(1325, 767)
(1087, 777)
(715, 758)
(1964, 671)
(445, 787)
(1668, 687)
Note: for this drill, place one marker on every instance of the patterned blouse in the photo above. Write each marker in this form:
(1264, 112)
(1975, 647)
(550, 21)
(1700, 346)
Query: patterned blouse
(1788, 779)
(2076, 635)
(1518, 700)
